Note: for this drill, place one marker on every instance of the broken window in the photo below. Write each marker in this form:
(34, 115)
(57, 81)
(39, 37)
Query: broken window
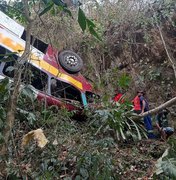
(91, 97)
(8, 69)
(61, 89)
(35, 77)
(40, 45)
(30, 75)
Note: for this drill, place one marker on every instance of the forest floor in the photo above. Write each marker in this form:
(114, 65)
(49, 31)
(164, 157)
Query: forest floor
(75, 151)
(139, 158)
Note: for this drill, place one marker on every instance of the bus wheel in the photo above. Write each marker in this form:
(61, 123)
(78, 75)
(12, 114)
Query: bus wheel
(70, 61)
(2, 52)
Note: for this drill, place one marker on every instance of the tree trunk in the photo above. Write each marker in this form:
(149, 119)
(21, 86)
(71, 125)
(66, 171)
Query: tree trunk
(11, 109)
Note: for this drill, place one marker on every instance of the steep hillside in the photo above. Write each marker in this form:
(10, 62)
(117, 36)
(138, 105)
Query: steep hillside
(137, 39)
(137, 51)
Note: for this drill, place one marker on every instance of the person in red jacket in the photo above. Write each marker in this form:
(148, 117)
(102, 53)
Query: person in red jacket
(118, 97)
(136, 103)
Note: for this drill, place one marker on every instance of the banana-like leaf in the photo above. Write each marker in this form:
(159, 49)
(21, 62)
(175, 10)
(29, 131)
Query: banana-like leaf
(122, 134)
(137, 129)
(82, 19)
(129, 127)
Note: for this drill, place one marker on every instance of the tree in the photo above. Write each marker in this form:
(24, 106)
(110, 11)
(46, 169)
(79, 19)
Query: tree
(27, 11)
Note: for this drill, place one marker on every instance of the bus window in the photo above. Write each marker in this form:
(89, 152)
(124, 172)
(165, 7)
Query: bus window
(92, 97)
(2, 52)
(34, 76)
(61, 89)
(8, 69)
(30, 75)
(40, 45)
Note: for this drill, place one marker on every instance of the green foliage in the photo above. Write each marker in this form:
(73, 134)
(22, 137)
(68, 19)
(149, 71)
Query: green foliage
(167, 163)
(124, 81)
(4, 95)
(47, 8)
(93, 165)
(85, 22)
(118, 118)
(157, 13)
(59, 3)
(17, 12)
(154, 74)
(49, 5)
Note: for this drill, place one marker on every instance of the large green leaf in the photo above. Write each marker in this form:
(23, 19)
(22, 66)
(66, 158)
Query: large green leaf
(94, 33)
(90, 23)
(28, 92)
(137, 129)
(49, 6)
(59, 3)
(82, 19)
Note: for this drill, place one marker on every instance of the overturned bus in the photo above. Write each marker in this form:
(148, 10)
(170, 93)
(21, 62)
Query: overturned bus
(53, 75)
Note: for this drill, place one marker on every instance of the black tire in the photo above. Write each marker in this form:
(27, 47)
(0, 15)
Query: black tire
(2, 52)
(70, 61)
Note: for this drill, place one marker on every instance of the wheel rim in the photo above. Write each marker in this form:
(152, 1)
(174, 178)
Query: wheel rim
(71, 60)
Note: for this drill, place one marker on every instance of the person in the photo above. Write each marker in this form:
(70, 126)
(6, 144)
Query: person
(118, 97)
(136, 104)
(162, 124)
(147, 119)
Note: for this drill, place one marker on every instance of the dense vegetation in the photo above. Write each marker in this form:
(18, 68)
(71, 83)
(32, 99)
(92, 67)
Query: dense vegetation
(133, 46)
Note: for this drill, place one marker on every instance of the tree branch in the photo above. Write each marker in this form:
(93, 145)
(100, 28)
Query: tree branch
(155, 110)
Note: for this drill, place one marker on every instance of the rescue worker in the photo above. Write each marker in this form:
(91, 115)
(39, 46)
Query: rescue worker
(162, 124)
(118, 97)
(136, 104)
(147, 119)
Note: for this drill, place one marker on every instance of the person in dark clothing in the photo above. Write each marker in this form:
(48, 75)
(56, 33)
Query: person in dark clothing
(147, 119)
(162, 124)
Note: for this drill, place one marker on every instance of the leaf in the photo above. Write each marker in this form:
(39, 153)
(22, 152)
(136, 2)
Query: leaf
(30, 116)
(94, 33)
(28, 92)
(122, 134)
(90, 23)
(78, 177)
(67, 11)
(82, 19)
(59, 3)
(166, 165)
(84, 173)
(46, 1)
(137, 129)
(10, 69)
(37, 135)
(47, 9)
(9, 59)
